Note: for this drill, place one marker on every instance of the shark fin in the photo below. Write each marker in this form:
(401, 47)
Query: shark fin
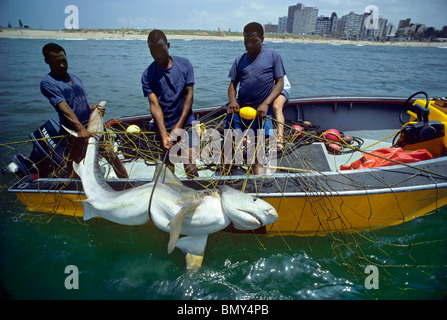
(176, 224)
(79, 168)
(73, 133)
(166, 175)
(88, 211)
(194, 249)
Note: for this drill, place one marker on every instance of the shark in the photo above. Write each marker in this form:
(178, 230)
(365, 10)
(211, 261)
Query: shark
(187, 214)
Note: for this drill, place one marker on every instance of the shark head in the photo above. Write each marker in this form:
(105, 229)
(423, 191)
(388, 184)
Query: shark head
(245, 211)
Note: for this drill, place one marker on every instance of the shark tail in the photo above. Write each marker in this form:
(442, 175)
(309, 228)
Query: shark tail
(194, 249)
(193, 262)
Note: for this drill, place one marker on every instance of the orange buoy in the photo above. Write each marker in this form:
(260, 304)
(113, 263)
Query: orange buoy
(333, 148)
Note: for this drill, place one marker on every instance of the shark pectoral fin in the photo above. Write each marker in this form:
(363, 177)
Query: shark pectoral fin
(176, 224)
(194, 249)
(88, 210)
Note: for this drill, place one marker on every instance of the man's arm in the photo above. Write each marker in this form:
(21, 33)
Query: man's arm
(187, 105)
(157, 113)
(264, 106)
(233, 106)
(68, 113)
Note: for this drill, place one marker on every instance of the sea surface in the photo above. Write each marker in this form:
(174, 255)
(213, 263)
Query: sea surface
(122, 262)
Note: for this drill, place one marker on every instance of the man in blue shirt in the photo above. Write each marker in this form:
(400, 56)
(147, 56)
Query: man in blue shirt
(259, 72)
(67, 95)
(168, 83)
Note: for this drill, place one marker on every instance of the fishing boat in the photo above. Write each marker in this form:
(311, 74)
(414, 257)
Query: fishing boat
(346, 164)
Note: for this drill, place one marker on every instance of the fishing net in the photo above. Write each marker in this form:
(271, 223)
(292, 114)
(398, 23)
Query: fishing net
(398, 247)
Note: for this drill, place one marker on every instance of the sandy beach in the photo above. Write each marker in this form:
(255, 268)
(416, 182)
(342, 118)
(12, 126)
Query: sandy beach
(137, 35)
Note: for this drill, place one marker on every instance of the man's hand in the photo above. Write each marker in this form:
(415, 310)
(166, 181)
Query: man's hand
(262, 110)
(167, 143)
(233, 107)
(101, 109)
(84, 134)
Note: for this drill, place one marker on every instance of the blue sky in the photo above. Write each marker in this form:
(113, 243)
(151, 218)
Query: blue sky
(203, 14)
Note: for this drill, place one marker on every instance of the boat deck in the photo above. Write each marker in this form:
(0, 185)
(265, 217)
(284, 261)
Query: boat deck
(372, 140)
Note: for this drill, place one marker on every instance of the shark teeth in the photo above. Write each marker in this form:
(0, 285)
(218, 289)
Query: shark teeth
(253, 215)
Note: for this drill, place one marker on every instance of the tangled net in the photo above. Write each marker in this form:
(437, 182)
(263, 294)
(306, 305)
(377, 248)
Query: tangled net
(390, 249)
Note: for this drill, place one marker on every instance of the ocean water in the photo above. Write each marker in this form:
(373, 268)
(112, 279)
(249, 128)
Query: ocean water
(121, 262)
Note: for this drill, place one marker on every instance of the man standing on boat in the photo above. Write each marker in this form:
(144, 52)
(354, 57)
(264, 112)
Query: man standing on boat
(67, 95)
(259, 72)
(168, 83)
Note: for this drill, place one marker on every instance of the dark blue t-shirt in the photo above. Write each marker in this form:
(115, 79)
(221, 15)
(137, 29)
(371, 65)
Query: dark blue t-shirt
(58, 90)
(256, 78)
(169, 86)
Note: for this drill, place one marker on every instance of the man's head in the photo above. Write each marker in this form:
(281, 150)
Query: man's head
(159, 47)
(55, 57)
(253, 38)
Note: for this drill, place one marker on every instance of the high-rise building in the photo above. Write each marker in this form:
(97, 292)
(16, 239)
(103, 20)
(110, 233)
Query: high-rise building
(351, 24)
(270, 28)
(282, 24)
(404, 23)
(323, 25)
(326, 25)
(334, 20)
(291, 16)
(305, 20)
(390, 30)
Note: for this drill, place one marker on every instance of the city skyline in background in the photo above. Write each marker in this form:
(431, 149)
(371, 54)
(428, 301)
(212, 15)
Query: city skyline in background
(367, 25)
(203, 15)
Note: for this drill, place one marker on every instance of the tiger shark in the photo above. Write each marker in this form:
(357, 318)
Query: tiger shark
(172, 206)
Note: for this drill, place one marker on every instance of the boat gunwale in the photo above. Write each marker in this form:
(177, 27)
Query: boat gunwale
(284, 175)
(292, 101)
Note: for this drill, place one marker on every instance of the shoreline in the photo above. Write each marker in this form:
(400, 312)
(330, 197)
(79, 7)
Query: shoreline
(87, 34)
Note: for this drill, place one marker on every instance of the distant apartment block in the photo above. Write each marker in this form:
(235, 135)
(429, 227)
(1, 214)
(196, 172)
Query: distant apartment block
(305, 20)
(282, 24)
(351, 24)
(404, 23)
(270, 28)
(291, 16)
(326, 25)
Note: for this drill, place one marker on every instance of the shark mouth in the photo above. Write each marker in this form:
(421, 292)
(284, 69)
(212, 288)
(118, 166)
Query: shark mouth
(258, 220)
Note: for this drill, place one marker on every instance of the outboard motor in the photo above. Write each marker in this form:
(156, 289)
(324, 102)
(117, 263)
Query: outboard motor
(49, 152)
